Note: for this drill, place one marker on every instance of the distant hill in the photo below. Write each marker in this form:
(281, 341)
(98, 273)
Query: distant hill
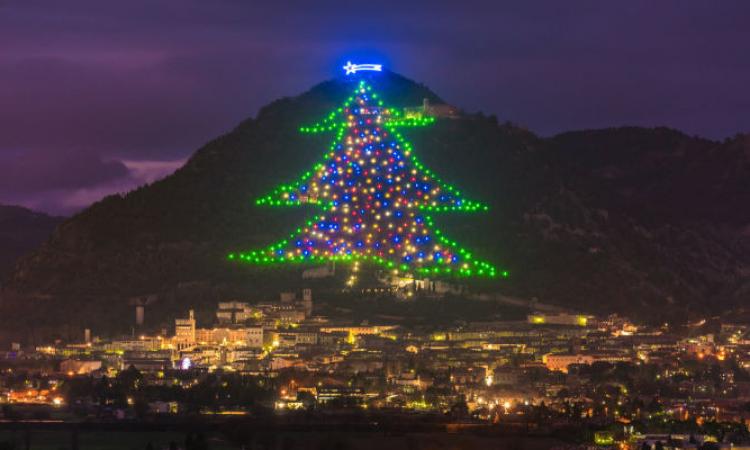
(649, 222)
(21, 231)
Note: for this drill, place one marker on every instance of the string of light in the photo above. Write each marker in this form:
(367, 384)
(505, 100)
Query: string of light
(375, 196)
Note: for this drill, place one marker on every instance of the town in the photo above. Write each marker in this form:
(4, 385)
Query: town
(619, 383)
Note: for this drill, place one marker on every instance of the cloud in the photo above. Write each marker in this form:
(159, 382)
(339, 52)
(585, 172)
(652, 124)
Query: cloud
(153, 81)
(41, 170)
(146, 171)
(71, 188)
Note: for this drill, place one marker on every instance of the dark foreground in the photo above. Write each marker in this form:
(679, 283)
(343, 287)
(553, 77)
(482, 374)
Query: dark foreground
(242, 435)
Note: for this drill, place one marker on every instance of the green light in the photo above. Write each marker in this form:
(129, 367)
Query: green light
(353, 128)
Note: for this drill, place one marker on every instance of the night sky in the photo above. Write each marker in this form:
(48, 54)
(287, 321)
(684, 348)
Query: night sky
(100, 96)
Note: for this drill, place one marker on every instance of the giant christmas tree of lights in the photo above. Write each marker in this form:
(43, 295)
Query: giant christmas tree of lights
(376, 199)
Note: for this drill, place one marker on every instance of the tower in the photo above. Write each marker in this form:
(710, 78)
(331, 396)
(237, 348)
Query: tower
(139, 314)
(140, 303)
(184, 331)
(307, 301)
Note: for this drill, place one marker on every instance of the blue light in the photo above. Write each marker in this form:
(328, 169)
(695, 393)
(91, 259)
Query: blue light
(351, 68)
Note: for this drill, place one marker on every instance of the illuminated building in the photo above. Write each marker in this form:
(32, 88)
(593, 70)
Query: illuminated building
(561, 361)
(357, 330)
(328, 270)
(329, 393)
(559, 319)
(235, 312)
(184, 331)
(78, 367)
(148, 363)
(307, 302)
(127, 345)
(430, 110)
(468, 375)
(251, 337)
(604, 438)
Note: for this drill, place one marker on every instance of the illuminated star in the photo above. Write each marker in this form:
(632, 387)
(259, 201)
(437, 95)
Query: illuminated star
(350, 68)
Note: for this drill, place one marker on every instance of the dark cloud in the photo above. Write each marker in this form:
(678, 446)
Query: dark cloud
(40, 170)
(145, 80)
(67, 183)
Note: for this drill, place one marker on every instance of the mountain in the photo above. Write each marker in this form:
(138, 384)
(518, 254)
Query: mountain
(649, 222)
(21, 231)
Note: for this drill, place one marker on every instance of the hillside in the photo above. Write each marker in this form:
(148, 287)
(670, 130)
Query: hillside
(644, 221)
(21, 231)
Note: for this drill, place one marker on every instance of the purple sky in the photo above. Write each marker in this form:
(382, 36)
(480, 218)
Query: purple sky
(101, 96)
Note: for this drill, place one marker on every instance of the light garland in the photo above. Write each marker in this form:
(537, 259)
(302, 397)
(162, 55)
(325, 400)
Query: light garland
(375, 195)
